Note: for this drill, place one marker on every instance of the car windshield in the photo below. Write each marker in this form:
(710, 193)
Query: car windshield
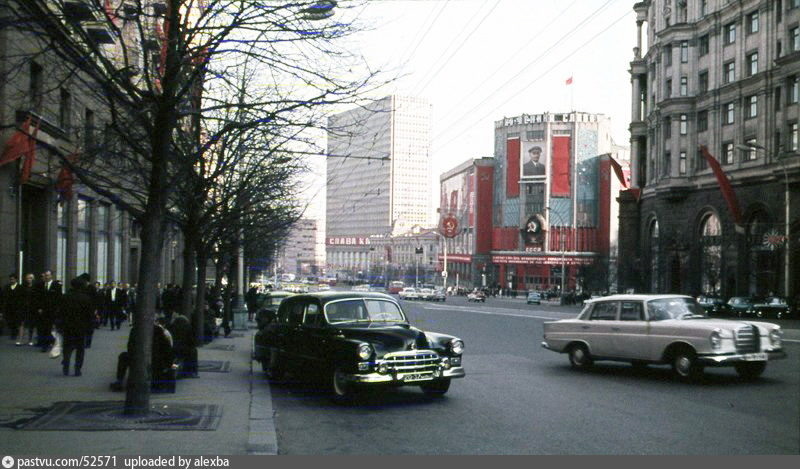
(674, 308)
(363, 310)
(776, 301)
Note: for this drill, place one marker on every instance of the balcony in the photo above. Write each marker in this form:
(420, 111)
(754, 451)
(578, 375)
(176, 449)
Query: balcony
(78, 10)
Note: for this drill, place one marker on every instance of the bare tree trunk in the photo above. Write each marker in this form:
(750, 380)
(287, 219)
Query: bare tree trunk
(189, 242)
(200, 310)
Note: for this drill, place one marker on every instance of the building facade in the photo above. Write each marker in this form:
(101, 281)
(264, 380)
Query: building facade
(554, 198)
(299, 253)
(377, 176)
(725, 76)
(410, 257)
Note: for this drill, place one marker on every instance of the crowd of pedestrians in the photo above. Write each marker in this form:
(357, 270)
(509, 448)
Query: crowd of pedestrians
(42, 314)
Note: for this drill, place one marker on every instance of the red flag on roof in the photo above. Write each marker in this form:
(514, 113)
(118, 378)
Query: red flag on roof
(17, 145)
(569, 81)
(725, 187)
(618, 171)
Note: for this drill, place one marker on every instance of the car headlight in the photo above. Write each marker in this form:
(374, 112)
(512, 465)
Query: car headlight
(364, 351)
(775, 337)
(456, 346)
(716, 339)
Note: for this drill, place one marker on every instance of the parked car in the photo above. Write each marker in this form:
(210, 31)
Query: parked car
(354, 339)
(712, 305)
(476, 296)
(409, 293)
(663, 329)
(439, 295)
(741, 306)
(425, 293)
(534, 298)
(268, 304)
(772, 307)
(361, 288)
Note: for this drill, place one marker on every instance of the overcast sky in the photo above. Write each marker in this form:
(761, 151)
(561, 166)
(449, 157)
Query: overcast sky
(477, 61)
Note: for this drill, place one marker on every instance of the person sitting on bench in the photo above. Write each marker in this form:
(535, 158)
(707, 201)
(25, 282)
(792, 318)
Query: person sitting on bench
(162, 373)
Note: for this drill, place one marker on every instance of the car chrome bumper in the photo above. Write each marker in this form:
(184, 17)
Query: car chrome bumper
(399, 378)
(723, 360)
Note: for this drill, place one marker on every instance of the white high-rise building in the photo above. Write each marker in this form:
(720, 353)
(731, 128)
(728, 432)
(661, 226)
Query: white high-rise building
(377, 177)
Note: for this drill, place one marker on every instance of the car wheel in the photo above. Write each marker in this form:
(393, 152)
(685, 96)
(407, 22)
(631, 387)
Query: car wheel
(579, 357)
(273, 366)
(750, 371)
(341, 389)
(686, 366)
(436, 388)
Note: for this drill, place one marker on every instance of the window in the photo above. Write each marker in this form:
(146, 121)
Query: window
(62, 240)
(730, 33)
(36, 88)
(793, 89)
(684, 86)
(684, 124)
(778, 98)
(631, 311)
(654, 258)
(729, 72)
(665, 168)
(668, 56)
(702, 82)
(752, 22)
(84, 235)
(101, 270)
(711, 257)
(65, 110)
(606, 311)
(778, 49)
(752, 107)
(682, 163)
(703, 7)
(668, 89)
(727, 153)
(88, 129)
(702, 121)
(667, 127)
(730, 114)
(778, 11)
(703, 45)
(752, 153)
(794, 132)
(312, 314)
(116, 223)
(684, 52)
(752, 64)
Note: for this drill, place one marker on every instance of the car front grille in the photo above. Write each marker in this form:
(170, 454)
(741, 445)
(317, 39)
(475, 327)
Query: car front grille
(412, 362)
(747, 339)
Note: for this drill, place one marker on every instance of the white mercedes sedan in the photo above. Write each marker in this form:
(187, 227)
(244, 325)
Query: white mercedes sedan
(663, 329)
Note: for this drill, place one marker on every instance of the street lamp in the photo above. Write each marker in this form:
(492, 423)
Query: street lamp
(787, 251)
(562, 241)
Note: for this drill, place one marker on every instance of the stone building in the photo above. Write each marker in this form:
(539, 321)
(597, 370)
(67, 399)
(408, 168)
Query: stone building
(723, 75)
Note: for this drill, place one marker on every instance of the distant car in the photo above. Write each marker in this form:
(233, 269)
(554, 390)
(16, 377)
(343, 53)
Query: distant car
(323, 287)
(663, 329)
(409, 293)
(773, 307)
(396, 287)
(378, 289)
(358, 340)
(741, 306)
(361, 288)
(534, 298)
(476, 296)
(439, 295)
(425, 294)
(712, 305)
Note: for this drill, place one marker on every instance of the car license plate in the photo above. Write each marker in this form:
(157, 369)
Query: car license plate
(755, 357)
(417, 377)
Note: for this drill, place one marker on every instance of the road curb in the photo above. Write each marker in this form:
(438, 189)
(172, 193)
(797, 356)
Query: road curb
(262, 437)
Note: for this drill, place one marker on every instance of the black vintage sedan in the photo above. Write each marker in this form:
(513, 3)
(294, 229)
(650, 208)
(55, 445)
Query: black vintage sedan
(772, 307)
(357, 340)
(741, 306)
(713, 306)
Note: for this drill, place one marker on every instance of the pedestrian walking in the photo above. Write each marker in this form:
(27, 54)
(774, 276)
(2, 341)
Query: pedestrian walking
(76, 319)
(9, 305)
(115, 300)
(48, 298)
(27, 311)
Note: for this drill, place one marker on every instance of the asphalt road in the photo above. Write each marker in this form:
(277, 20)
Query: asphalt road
(518, 398)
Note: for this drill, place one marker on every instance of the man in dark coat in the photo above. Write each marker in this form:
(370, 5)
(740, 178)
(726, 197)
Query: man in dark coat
(9, 305)
(115, 301)
(251, 301)
(27, 311)
(48, 298)
(184, 344)
(77, 316)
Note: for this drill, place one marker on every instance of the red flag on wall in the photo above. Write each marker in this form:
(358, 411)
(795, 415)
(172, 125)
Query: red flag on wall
(30, 156)
(559, 165)
(618, 171)
(569, 81)
(725, 187)
(17, 145)
(65, 180)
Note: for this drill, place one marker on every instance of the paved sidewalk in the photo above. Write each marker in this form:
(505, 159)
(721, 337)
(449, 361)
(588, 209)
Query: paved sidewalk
(31, 380)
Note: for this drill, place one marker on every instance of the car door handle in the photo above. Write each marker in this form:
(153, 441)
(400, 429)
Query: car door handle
(584, 327)
(615, 329)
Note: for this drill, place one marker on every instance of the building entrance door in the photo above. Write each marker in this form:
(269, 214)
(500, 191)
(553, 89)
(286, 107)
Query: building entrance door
(34, 231)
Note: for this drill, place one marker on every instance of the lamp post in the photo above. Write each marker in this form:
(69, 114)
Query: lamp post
(562, 241)
(787, 252)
